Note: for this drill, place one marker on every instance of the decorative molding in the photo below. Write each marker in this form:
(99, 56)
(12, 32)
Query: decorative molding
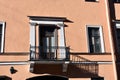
(92, 62)
(65, 63)
(61, 25)
(33, 24)
(14, 54)
(14, 62)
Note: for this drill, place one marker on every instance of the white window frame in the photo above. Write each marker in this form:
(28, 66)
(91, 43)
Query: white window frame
(118, 25)
(61, 41)
(101, 37)
(3, 35)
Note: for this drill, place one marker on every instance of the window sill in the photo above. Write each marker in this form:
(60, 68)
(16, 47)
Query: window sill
(90, 53)
(91, 1)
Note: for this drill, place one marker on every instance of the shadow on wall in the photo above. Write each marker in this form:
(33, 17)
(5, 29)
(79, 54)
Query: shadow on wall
(82, 67)
(73, 71)
(79, 70)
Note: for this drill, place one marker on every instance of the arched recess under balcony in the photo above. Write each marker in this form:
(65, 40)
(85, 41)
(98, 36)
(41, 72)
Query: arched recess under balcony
(48, 77)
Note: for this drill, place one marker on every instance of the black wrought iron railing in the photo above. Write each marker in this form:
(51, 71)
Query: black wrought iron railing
(49, 53)
(85, 64)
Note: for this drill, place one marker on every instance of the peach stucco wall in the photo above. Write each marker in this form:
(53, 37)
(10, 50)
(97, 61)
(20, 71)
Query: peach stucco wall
(15, 13)
(23, 72)
(117, 11)
(13, 58)
(91, 57)
(81, 13)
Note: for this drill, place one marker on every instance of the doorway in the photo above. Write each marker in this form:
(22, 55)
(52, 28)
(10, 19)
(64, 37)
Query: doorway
(47, 41)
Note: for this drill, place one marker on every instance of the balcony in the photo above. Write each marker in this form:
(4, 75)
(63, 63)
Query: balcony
(49, 55)
(54, 53)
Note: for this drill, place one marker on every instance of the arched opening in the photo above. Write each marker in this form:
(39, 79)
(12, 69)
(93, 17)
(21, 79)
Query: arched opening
(48, 77)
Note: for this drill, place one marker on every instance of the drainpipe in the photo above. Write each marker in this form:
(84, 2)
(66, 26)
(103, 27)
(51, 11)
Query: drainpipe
(111, 37)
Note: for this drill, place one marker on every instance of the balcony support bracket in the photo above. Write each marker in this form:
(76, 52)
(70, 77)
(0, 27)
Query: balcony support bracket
(65, 67)
(31, 67)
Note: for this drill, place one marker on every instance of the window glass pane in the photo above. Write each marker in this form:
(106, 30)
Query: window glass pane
(118, 33)
(116, 0)
(118, 39)
(97, 44)
(49, 31)
(94, 40)
(95, 32)
(0, 25)
(0, 28)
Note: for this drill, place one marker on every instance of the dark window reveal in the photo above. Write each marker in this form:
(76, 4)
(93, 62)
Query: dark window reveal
(99, 78)
(116, 1)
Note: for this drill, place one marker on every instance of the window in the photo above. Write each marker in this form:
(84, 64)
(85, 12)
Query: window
(99, 78)
(2, 27)
(118, 39)
(116, 1)
(91, 0)
(95, 40)
(118, 36)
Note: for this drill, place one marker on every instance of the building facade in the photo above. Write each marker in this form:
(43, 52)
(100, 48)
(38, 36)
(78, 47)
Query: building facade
(59, 39)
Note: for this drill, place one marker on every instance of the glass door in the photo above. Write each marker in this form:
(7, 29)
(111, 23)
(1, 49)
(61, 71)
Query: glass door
(47, 41)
